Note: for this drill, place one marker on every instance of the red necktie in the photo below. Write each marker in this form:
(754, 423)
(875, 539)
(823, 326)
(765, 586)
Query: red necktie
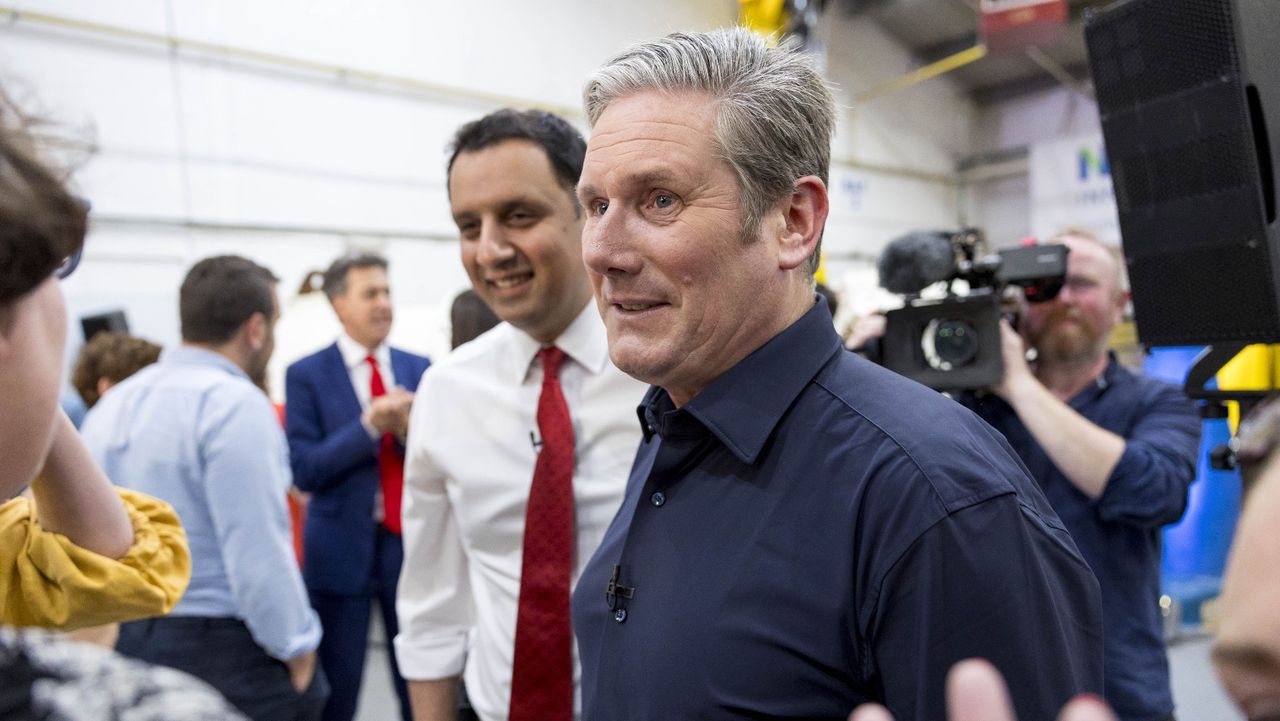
(390, 460)
(542, 677)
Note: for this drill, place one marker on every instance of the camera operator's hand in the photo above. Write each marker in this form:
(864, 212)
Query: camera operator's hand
(866, 328)
(1016, 369)
(1086, 453)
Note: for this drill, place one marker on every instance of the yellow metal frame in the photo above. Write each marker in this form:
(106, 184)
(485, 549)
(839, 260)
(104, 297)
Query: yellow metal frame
(932, 70)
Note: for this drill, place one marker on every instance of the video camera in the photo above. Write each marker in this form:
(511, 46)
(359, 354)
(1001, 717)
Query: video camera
(953, 343)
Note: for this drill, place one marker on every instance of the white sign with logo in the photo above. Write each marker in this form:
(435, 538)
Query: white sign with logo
(1071, 187)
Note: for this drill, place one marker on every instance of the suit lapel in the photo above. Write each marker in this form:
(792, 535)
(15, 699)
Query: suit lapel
(337, 377)
(403, 366)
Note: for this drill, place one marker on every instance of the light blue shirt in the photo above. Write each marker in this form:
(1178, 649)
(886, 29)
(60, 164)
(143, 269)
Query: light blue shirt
(194, 431)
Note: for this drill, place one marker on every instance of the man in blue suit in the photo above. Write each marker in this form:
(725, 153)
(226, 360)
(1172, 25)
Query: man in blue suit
(346, 416)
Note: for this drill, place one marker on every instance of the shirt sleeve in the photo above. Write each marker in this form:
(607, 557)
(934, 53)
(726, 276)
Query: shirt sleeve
(433, 603)
(1148, 487)
(49, 581)
(320, 461)
(246, 480)
(993, 581)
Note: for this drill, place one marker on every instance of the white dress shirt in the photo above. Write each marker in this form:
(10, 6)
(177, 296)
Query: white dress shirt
(468, 469)
(353, 357)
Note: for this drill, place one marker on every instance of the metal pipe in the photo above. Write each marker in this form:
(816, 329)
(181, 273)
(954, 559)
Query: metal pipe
(152, 222)
(932, 70)
(1059, 73)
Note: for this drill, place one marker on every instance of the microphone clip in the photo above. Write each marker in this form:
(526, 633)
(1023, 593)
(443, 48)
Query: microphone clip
(613, 591)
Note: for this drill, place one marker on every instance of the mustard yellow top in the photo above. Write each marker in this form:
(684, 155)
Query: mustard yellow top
(45, 580)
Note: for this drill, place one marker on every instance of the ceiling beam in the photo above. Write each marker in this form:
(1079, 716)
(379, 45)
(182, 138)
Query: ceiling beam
(1000, 92)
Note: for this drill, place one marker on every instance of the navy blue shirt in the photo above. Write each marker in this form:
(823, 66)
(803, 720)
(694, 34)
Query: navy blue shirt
(811, 532)
(1119, 532)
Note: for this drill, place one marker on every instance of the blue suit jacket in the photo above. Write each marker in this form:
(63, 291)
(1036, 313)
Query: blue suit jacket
(335, 461)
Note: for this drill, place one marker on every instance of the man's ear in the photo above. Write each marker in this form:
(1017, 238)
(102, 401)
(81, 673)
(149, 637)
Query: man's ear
(804, 215)
(254, 331)
(1122, 302)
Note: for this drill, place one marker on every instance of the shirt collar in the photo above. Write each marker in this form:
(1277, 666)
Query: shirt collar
(584, 341)
(354, 353)
(1110, 374)
(195, 356)
(744, 405)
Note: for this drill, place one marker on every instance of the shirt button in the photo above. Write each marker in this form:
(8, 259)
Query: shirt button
(620, 615)
(658, 499)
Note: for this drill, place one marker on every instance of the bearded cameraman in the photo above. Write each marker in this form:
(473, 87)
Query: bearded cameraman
(1113, 451)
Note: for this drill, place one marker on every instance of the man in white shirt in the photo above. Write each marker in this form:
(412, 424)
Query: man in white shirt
(520, 441)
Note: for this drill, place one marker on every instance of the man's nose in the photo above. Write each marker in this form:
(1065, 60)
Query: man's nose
(493, 247)
(608, 247)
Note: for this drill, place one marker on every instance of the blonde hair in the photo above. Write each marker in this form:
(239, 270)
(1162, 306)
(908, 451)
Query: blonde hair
(1113, 251)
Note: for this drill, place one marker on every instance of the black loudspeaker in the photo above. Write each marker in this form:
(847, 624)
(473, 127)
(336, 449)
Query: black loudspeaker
(110, 322)
(1189, 94)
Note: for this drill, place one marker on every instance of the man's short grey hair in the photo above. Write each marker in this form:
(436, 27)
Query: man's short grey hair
(335, 278)
(776, 114)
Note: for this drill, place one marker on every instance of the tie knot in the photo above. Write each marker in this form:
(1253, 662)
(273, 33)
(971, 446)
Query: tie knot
(551, 358)
(371, 360)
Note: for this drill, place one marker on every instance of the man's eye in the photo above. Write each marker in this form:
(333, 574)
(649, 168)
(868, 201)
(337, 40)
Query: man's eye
(663, 200)
(599, 207)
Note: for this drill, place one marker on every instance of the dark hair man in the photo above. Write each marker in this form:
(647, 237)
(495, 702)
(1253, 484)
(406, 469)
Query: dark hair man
(346, 415)
(519, 442)
(803, 530)
(194, 430)
(1114, 453)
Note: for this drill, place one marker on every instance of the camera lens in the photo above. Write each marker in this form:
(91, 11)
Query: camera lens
(949, 344)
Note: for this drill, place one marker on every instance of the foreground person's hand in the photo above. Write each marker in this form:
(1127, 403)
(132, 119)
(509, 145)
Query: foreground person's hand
(976, 692)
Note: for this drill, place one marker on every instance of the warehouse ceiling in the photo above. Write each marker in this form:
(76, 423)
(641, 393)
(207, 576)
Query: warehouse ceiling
(935, 29)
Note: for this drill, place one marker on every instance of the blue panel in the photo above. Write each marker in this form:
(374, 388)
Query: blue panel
(1195, 549)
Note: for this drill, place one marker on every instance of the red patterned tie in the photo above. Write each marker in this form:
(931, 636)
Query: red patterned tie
(390, 459)
(542, 679)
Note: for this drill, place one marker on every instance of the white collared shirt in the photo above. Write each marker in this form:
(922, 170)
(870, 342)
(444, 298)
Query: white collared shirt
(353, 357)
(468, 469)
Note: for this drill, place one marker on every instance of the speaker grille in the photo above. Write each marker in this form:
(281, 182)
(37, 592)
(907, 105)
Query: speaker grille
(1145, 52)
(1171, 93)
(1208, 295)
(1192, 169)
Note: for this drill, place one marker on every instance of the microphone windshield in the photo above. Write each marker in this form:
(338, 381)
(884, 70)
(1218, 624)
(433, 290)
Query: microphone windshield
(916, 261)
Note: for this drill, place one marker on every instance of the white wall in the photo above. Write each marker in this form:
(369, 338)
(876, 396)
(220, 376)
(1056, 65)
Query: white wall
(894, 156)
(200, 152)
(291, 167)
(1003, 205)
